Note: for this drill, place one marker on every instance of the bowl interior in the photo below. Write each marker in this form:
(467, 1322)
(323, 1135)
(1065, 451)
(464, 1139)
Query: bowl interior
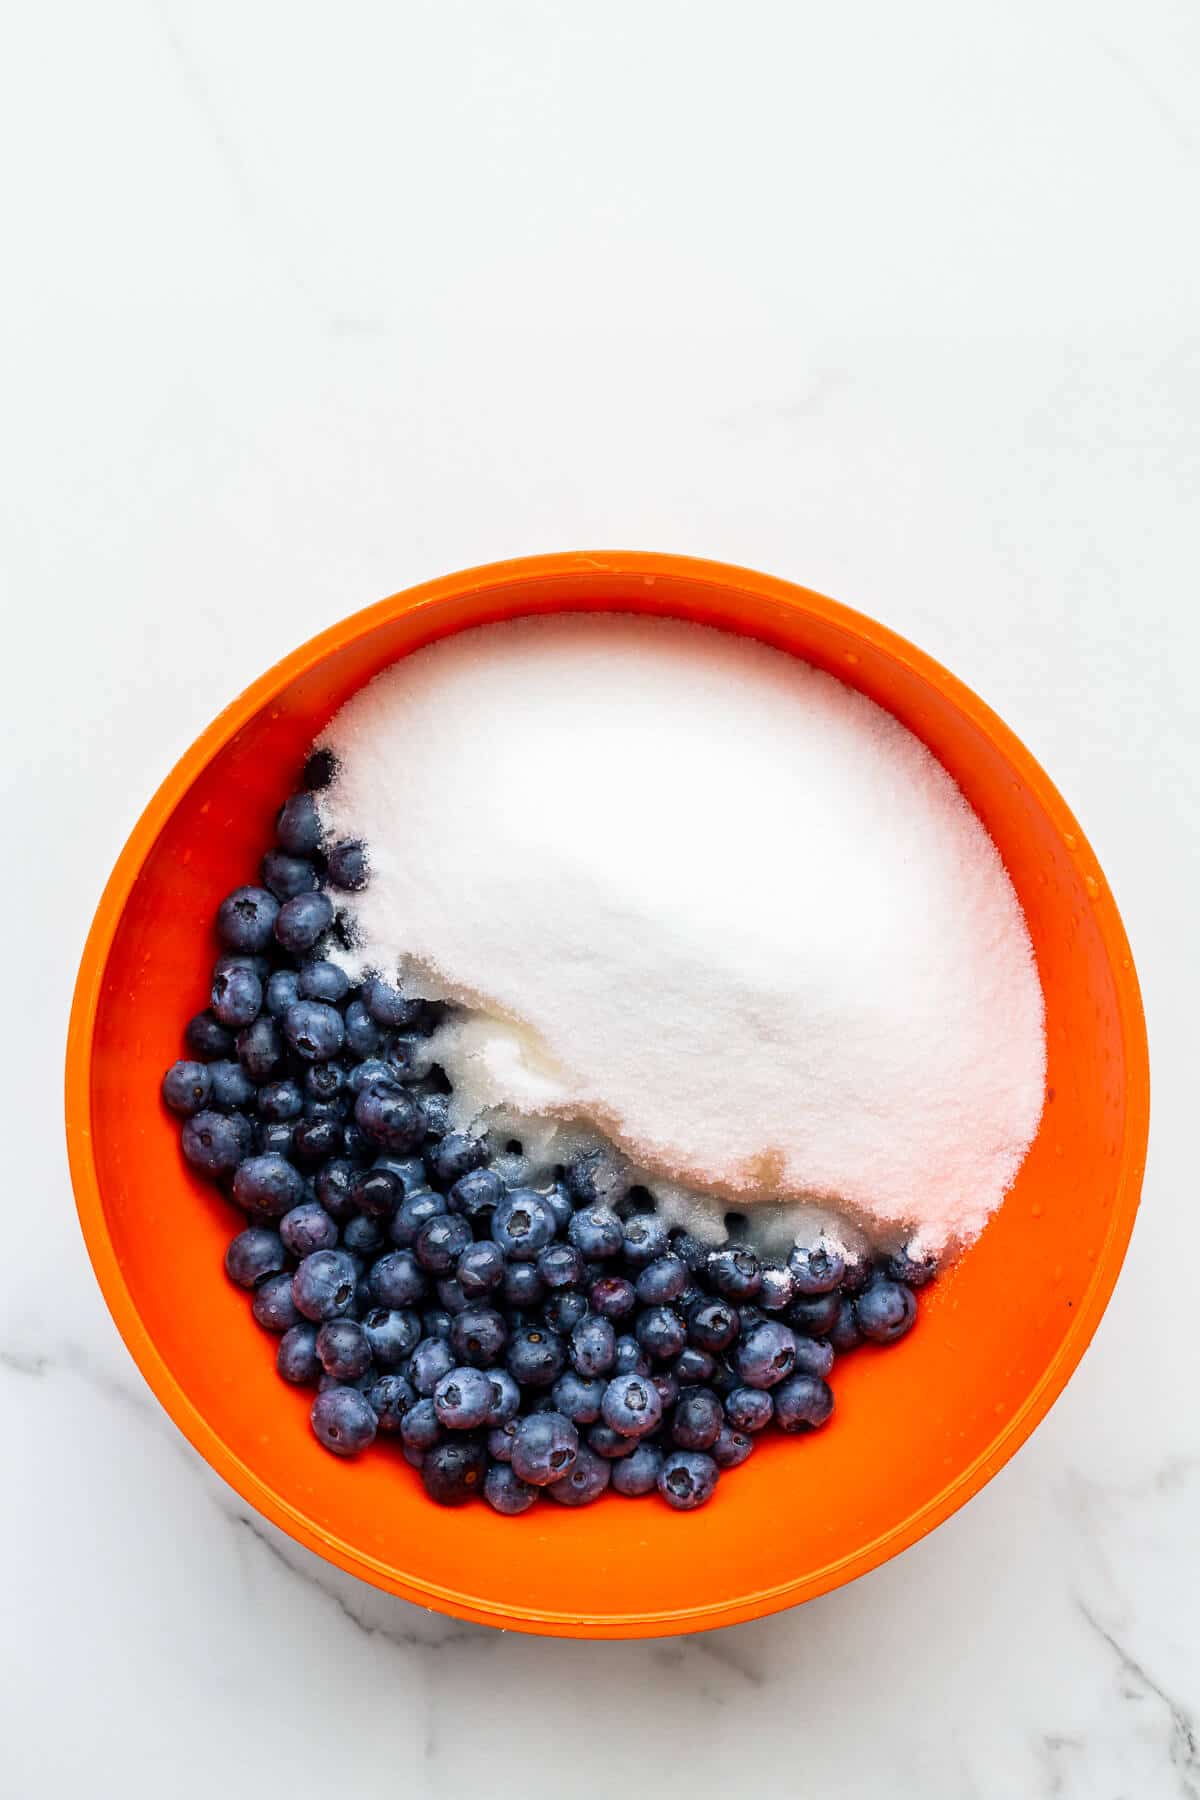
(939, 1413)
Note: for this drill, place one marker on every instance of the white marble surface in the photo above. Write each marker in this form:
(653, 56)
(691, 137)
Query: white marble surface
(305, 303)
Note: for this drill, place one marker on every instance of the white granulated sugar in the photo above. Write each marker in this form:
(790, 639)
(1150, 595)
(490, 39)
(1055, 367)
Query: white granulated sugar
(703, 899)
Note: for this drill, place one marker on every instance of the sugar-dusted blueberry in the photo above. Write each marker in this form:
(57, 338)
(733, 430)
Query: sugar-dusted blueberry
(813, 1315)
(419, 1427)
(346, 865)
(631, 1405)
(246, 919)
(505, 1492)
(545, 1448)
(885, 1311)
(645, 1239)
(320, 769)
(777, 1289)
(187, 1087)
(462, 1398)
(596, 1232)
(661, 1333)
(296, 1358)
(260, 1048)
(297, 825)
(560, 1266)
(911, 1266)
(522, 1225)
(253, 1255)
(661, 1281)
(431, 1359)
(535, 1356)
(389, 1117)
(325, 1284)
(593, 1347)
(697, 1419)
(273, 1305)
(343, 1349)
(207, 1038)
(454, 1471)
(802, 1403)
(212, 1143)
(268, 1185)
(592, 1179)
(323, 980)
(687, 1479)
(735, 1272)
(690, 1251)
(343, 1420)
(816, 1269)
(391, 1396)
(637, 1473)
(766, 1354)
(586, 1480)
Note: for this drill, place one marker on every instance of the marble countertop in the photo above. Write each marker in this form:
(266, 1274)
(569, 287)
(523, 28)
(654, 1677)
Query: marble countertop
(303, 305)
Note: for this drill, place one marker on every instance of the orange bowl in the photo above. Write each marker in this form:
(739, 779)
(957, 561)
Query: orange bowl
(917, 1431)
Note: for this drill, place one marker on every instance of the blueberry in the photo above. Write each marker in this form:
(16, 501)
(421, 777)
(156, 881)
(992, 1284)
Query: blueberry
(522, 1225)
(268, 1186)
(660, 1332)
(564, 1309)
(187, 1087)
(431, 1359)
(596, 1232)
(246, 919)
(207, 1038)
(415, 1211)
(500, 1439)
(535, 1356)
(687, 1479)
(631, 1359)
(388, 1006)
(286, 876)
(451, 1298)
(560, 1266)
(592, 1179)
(522, 1286)
(477, 1195)
(661, 1281)
(479, 1269)
(343, 1348)
(296, 1358)
(693, 1368)
(734, 1272)
(306, 1228)
(697, 1419)
(260, 1048)
(212, 1143)
(343, 1420)
(280, 1100)
(320, 769)
(713, 1325)
(749, 1409)
(645, 1239)
(479, 1336)
(316, 1139)
(608, 1443)
(237, 996)
(577, 1398)
(441, 1241)
(802, 1402)
(463, 1398)
(505, 1492)
(321, 980)
(303, 920)
(314, 1029)
(731, 1448)
(453, 1472)
(844, 1333)
(612, 1297)
(817, 1270)
(397, 1280)
(631, 1405)
(334, 1185)
(273, 1137)
(391, 1397)
(377, 1192)
(858, 1274)
(545, 1448)
(282, 991)
(589, 1476)
(253, 1255)
(362, 1235)
(885, 1311)
(366, 1074)
(405, 1055)
(691, 1251)
(297, 825)
(389, 1117)
(814, 1315)
(456, 1155)
(560, 1203)
(667, 1386)
(346, 865)
(325, 1284)
(637, 1473)
(231, 1086)
(910, 1266)
(325, 1081)
(419, 1427)
(777, 1290)
(766, 1354)
(593, 1346)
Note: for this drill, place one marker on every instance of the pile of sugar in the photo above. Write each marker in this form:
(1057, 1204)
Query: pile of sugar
(700, 898)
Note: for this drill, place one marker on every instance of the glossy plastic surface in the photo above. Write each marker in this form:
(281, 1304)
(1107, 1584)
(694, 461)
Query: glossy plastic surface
(918, 1429)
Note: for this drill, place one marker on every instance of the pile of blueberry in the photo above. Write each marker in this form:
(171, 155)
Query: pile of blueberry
(513, 1339)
